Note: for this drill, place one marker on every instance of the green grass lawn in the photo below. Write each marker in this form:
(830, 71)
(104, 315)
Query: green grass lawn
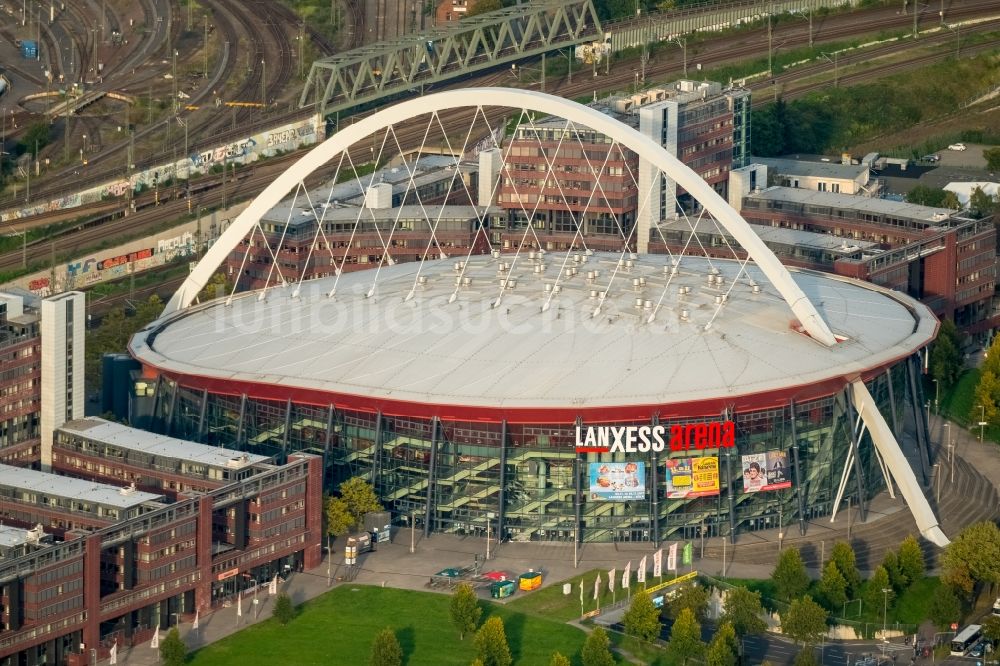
(550, 601)
(957, 404)
(338, 628)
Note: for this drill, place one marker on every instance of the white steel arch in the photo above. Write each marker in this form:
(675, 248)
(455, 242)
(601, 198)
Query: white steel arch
(543, 103)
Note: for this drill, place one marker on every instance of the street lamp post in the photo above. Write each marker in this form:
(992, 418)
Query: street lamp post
(937, 481)
(263, 83)
(982, 422)
(885, 612)
(937, 395)
(329, 562)
(413, 531)
(781, 525)
(951, 453)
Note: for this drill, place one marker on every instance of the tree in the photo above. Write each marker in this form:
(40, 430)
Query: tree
(724, 648)
(694, 597)
(945, 607)
(217, 287)
(927, 196)
(283, 609)
(596, 650)
(991, 360)
(173, 652)
(386, 650)
(484, 6)
(685, 637)
(36, 135)
(742, 609)
(911, 560)
(558, 660)
(339, 520)
(946, 356)
(874, 595)
(768, 136)
(360, 498)
(491, 642)
(981, 204)
(991, 628)
(951, 200)
(789, 576)
(891, 565)
(973, 557)
(987, 395)
(642, 618)
(465, 610)
(805, 658)
(113, 334)
(992, 157)
(832, 587)
(804, 621)
(843, 557)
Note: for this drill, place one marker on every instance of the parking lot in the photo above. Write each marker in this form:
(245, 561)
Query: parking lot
(970, 158)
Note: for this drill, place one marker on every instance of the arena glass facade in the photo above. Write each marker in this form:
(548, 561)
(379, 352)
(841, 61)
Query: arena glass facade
(524, 478)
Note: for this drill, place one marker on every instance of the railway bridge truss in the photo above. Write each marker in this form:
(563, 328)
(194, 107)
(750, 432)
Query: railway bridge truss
(387, 69)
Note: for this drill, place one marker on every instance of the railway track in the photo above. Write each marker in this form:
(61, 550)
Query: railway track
(621, 75)
(859, 77)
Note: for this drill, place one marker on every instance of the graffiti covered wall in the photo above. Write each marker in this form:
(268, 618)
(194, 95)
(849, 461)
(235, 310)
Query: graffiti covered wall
(242, 151)
(133, 257)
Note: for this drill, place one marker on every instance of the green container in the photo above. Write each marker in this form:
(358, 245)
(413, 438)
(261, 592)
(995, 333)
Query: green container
(502, 589)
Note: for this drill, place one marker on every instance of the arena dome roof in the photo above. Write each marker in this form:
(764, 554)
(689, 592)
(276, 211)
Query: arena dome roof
(411, 342)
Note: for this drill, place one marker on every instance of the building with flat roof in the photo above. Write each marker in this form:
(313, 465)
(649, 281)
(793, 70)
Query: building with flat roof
(113, 564)
(17, 541)
(174, 467)
(943, 257)
(21, 388)
(63, 504)
(705, 126)
(821, 175)
(388, 204)
(63, 338)
(565, 179)
(559, 180)
(794, 247)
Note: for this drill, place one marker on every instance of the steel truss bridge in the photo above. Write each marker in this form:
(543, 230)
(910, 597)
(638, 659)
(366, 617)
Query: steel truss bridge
(371, 73)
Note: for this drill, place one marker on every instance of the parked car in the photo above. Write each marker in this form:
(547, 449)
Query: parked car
(931, 158)
(978, 650)
(957, 146)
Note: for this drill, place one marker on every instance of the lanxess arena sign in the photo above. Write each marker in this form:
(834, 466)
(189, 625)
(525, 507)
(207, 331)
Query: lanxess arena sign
(647, 438)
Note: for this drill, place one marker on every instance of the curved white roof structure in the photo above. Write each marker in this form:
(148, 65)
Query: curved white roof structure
(581, 115)
(430, 350)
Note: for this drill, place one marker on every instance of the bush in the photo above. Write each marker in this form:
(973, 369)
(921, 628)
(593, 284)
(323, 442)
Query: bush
(386, 650)
(173, 652)
(283, 609)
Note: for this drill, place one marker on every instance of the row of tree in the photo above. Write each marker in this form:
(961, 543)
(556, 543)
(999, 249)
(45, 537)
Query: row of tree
(742, 616)
(981, 203)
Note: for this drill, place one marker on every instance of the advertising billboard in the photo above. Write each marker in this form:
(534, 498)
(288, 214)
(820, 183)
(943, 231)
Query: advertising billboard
(618, 481)
(765, 471)
(691, 477)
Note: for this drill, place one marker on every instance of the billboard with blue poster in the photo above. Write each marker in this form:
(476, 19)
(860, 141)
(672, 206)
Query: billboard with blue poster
(618, 481)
